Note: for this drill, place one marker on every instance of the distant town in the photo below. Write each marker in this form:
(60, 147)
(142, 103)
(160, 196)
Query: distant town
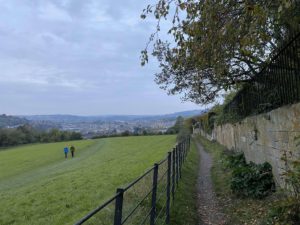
(93, 126)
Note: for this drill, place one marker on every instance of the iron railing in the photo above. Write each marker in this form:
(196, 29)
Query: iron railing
(276, 85)
(146, 200)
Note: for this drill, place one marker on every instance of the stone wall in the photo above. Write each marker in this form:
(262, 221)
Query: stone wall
(264, 138)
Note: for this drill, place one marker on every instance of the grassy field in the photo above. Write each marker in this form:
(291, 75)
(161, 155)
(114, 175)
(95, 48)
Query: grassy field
(38, 186)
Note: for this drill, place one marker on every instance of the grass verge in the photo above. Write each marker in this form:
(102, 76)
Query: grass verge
(184, 208)
(238, 210)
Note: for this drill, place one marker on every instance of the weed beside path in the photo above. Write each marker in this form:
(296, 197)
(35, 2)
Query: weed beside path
(239, 211)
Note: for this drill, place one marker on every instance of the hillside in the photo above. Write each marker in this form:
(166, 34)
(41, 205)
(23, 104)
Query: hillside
(11, 121)
(37, 181)
(78, 119)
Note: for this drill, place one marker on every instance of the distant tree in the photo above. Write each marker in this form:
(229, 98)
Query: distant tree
(17, 137)
(137, 130)
(43, 137)
(193, 121)
(178, 124)
(75, 136)
(125, 133)
(29, 133)
(9, 137)
(54, 135)
(170, 131)
(183, 133)
(218, 45)
(5, 137)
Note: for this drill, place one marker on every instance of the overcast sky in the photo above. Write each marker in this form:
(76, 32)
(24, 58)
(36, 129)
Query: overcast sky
(78, 57)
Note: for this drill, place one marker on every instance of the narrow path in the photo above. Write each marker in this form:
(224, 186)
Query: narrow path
(209, 211)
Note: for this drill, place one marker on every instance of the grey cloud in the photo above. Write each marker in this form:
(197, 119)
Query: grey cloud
(77, 56)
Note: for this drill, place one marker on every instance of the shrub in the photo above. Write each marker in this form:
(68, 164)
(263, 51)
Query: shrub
(250, 180)
(235, 160)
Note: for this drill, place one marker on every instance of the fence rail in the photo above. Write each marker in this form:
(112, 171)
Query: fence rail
(146, 200)
(277, 84)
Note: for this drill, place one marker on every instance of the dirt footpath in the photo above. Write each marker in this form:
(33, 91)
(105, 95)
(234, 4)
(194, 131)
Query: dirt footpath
(209, 211)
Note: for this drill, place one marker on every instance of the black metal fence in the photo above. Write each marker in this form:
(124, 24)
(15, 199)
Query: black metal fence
(147, 200)
(276, 85)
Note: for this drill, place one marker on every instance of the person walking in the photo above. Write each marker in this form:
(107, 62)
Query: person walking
(72, 148)
(66, 151)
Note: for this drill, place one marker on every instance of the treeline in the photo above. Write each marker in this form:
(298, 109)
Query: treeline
(26, 134)
(127, 133)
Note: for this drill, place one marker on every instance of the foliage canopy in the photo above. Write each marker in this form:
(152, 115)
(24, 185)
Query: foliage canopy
(217, 45)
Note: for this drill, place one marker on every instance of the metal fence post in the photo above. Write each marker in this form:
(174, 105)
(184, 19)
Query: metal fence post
(180, 159)
(185, 149)
(177, 166)
(173, 173)
(187, 144)
(119, 207)
(154, 190)
(168, 189)
(183, 152)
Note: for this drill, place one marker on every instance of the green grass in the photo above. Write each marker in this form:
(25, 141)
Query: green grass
(184, 208)
(38, 186)
(239, 210)
(18, 160)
